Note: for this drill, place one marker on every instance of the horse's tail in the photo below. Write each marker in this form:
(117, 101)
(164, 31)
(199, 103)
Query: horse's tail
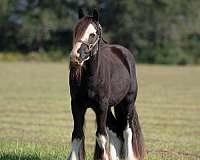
(137, 137)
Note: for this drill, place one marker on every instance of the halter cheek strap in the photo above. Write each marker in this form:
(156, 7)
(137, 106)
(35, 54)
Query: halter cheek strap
(99, 32)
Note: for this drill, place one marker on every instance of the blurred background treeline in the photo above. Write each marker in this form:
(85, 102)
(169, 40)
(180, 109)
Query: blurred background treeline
(157, 31)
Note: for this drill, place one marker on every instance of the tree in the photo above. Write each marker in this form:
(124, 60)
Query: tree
(157, 31)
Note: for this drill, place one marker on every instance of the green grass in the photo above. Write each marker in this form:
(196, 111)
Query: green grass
(36, 121)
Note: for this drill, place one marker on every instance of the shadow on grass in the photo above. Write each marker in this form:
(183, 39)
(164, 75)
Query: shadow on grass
(13, 156)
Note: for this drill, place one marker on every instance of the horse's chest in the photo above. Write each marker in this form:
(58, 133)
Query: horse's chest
(97, 92)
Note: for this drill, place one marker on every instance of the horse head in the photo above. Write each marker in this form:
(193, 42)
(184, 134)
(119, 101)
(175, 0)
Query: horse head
(87, 34)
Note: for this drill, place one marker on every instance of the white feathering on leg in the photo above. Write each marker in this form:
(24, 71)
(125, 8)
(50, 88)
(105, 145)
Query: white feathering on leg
(128, 147)
(101, 140)
(76, 149)
(114, 145)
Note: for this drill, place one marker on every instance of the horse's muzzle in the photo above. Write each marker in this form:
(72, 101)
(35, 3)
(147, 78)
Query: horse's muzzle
(83, 53)
(74, 60)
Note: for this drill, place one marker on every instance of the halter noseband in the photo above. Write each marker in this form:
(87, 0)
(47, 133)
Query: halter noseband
(90, 45)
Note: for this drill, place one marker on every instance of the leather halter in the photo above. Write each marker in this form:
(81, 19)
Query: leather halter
(91, 46)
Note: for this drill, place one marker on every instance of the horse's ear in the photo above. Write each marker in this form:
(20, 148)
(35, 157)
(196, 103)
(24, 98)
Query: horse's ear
(95, 15)
(80, 13)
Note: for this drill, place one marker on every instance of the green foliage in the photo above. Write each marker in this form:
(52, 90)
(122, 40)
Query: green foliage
(159, 31)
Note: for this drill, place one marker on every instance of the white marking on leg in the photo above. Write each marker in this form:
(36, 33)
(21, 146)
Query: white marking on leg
(129, 155)
(76, 149)
(101, 140)
(114, 145)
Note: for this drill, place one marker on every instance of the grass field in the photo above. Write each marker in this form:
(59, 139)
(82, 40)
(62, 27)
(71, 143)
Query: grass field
(36, 121)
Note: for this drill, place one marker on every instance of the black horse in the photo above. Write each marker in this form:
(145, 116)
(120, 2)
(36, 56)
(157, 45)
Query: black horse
(102, 76)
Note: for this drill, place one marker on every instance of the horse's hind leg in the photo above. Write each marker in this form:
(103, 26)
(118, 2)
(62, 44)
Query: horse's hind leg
(78, 150)
(121, 117)
(128, 121)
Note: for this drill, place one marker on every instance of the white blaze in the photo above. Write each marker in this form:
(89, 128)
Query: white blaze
(90, 29)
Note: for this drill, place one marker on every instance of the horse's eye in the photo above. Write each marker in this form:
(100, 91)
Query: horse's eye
(92, 35)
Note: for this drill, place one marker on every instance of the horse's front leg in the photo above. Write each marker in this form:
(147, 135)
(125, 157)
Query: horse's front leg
(78, 151)
(101, 149)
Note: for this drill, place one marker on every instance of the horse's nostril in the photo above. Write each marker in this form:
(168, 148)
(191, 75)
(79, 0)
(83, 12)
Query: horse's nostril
(79, 51)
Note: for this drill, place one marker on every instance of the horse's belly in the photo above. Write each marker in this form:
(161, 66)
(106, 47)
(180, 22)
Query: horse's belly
(119, 88)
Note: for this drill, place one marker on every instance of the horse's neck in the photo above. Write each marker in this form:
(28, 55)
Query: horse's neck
(96, 68)
(95, 62)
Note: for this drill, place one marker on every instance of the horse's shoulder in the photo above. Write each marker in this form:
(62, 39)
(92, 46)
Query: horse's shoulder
(119, 51)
